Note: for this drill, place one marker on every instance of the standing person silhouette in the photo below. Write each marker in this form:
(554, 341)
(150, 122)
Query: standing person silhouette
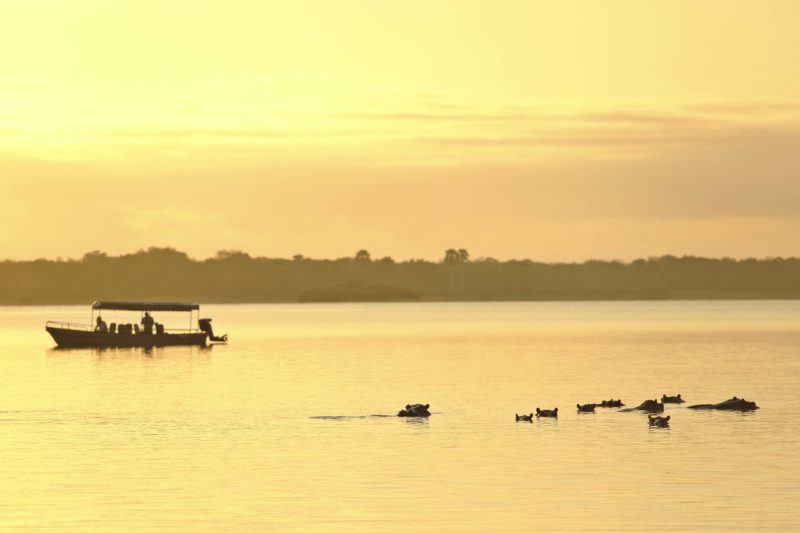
(147, 323)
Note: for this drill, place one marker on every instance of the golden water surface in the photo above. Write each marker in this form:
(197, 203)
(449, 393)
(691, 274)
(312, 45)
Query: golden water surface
(289, 426)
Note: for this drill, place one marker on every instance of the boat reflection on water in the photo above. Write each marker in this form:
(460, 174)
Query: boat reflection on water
(145, 351)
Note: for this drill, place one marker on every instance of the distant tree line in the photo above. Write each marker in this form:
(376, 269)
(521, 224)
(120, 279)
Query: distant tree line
(234, 276)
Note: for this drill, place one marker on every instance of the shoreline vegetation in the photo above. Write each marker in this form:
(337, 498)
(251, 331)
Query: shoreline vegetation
(165, 274)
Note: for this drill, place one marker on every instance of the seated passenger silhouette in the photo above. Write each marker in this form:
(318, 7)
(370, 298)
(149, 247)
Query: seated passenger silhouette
(101, 325)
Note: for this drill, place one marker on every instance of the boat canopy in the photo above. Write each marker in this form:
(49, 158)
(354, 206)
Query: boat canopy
(145, 306)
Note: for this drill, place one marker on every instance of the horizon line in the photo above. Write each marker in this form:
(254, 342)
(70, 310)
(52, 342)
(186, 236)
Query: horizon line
(221, 254)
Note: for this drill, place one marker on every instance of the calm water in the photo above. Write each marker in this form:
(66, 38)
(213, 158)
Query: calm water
(278, 430)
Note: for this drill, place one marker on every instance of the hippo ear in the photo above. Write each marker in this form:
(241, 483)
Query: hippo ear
(679, 396)
(408, 406)
(579, 406)
(666, 418)
(537, 409)
(427, 405)
(555, 410)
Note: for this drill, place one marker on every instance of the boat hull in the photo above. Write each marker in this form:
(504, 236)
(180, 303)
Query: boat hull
(72, 338)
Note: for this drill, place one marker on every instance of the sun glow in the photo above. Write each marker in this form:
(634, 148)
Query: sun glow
(320, 128)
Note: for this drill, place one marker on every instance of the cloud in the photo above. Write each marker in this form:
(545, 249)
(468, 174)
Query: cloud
(745, 108)
(692, 114)
(605, 137)
(197, 132)
(573, 179)
(414, 132)
(463, 115)
(638, 118)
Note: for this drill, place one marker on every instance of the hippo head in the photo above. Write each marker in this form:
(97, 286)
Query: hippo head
(415, 410)
(660, 421)
(737, 404)
(748, 406)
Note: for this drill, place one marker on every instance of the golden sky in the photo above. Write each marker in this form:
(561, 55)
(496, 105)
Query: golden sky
(550, 130)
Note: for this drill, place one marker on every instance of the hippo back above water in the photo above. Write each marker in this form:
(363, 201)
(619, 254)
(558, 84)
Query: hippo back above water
(732, 404)
(612, 403)
(415, 410)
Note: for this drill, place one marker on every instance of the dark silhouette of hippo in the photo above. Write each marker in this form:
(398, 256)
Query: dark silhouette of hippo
(612, 403)
(547, 413)
(416, 410)
(658, 421)
(524, 418)
(732, 404)
(651, 406)
(672, 399)
(587, 408)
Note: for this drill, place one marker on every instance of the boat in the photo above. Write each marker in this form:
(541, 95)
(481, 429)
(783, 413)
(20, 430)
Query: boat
(72, 335)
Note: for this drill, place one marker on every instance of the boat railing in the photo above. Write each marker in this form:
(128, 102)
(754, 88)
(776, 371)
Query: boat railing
(181, 330)
(69, 325)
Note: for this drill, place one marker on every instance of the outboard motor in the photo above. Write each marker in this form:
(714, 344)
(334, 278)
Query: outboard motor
(205, 326)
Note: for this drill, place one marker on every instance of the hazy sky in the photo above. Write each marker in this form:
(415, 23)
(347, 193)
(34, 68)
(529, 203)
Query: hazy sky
(550, 130)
